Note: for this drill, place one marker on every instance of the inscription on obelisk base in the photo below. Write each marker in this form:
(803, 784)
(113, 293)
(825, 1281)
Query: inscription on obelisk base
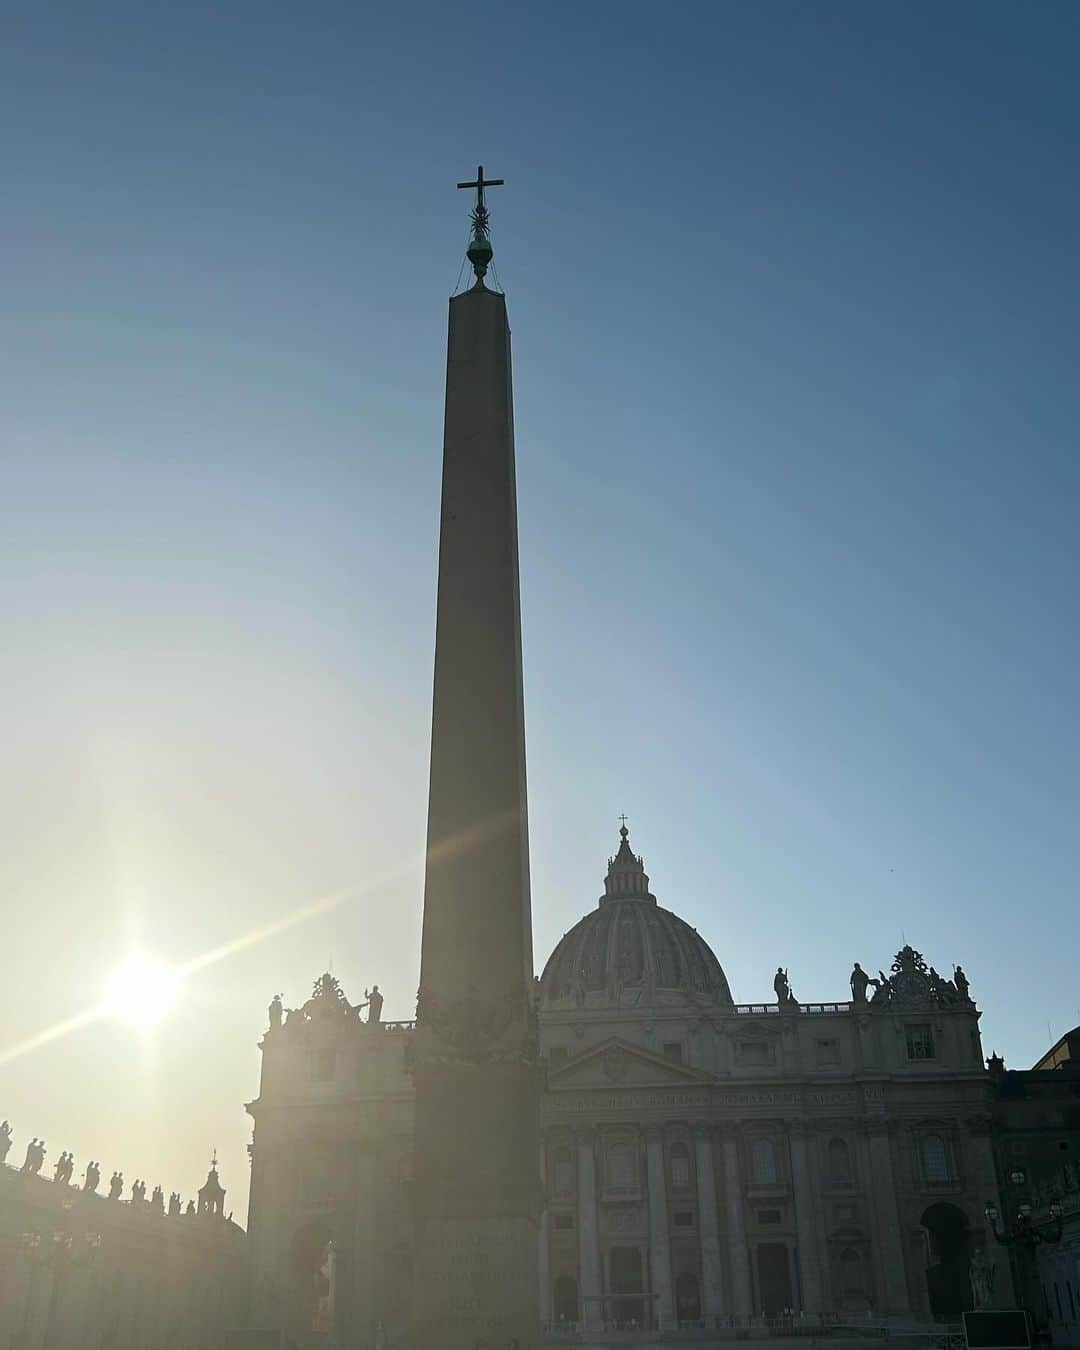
(478, 1289)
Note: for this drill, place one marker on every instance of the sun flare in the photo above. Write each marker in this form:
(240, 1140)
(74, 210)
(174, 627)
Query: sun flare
(141, 989)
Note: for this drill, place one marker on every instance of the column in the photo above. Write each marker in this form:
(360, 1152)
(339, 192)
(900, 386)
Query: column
(360, 1307)
(809, 1258)
(543, 1253)
(712, 1293)
(659, 1238)
(741, 1297)
(589, 1251)
(889, 1245)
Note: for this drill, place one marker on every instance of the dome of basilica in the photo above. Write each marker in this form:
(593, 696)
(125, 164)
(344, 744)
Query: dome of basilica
(630, 943)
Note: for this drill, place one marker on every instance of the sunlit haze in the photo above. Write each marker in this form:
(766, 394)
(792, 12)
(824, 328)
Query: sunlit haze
(141, 990)
(795, 307)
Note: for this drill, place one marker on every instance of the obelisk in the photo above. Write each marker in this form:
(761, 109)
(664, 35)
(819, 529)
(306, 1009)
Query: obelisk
(474, 1063)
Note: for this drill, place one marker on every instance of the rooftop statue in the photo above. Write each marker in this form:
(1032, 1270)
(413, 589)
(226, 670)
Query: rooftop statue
(275, 1012)
(92, 1178)
(961, 982)
(782, 989)
(373, 1001)
(157, 1200)
(859, 982)
(35, 1156)
(174, 1203)
(116, 1185)
(5, 1140)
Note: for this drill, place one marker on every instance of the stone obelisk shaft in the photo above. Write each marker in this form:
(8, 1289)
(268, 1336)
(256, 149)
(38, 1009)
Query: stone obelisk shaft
(475, 1180)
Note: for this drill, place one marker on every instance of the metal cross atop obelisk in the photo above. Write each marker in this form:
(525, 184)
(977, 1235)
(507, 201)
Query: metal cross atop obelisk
(480, 251)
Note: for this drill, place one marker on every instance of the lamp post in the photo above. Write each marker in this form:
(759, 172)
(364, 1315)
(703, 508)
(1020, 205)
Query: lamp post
(1024, 1234)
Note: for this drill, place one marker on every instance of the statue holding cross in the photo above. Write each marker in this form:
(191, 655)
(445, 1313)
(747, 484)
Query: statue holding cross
(480, 251)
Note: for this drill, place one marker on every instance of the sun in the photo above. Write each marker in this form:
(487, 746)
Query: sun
(141, 989)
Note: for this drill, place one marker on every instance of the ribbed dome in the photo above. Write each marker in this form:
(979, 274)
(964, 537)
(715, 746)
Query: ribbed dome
(630, 942)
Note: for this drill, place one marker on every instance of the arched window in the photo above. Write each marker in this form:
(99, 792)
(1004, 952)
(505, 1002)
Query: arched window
(839, 1160)
(621, 1165)
(763, 1163)
(935, 1158)
(563, 1172)
(680, 1167)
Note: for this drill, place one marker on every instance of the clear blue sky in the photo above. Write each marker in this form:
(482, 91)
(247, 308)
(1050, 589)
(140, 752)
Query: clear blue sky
(794, 290)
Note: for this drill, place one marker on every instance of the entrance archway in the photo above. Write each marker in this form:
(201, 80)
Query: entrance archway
(948, 1269)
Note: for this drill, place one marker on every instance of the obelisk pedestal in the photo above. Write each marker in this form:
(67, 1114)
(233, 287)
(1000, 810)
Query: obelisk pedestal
(474, 1062)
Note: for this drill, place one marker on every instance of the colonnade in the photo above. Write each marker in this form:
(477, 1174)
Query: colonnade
(727, 1287)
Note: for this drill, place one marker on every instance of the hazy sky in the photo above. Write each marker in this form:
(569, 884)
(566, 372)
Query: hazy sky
(794, 291)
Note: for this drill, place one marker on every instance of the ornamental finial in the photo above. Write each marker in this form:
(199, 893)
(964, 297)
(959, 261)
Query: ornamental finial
(480, 251)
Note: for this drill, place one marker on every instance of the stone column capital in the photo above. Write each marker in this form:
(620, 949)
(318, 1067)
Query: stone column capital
(585, 1136)
(798, 1128)
(654, 1133)
(704, 1129)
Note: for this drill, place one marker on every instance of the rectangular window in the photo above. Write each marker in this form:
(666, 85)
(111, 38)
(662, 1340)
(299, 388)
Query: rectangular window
(673, 1051)
(684, 1219)
(754, 1052)
(768, 1216)
(920, 1040)
(845, 1214)
(564, 1221)
(828, 1052)
(622, 1166)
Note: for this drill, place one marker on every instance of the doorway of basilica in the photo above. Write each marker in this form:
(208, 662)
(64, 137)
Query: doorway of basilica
(774, 1278)
(625, 1267)
(564, 1303)
(948, 1266)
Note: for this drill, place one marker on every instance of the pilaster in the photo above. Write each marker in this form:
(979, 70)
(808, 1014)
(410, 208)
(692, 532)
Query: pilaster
(659, 1238)
(806, 1226)
(588, 1236)
(890, 1248)
(741, 1289)
(708, 1222)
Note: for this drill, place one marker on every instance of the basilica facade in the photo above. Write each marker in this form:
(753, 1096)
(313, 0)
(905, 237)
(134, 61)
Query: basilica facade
(703, 1162)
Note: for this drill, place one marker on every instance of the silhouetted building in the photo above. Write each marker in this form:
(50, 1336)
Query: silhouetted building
(1037, 1146)
(80, 1270)
(703, 1161)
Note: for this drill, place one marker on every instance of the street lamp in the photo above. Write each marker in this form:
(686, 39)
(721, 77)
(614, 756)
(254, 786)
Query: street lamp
(1024, 1231)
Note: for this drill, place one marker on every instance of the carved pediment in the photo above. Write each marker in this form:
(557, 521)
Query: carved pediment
(618, 1063)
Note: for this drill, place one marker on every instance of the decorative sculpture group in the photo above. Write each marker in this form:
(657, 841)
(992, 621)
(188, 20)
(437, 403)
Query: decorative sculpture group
(912, 980)
(327, 997)
(64, 1168)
